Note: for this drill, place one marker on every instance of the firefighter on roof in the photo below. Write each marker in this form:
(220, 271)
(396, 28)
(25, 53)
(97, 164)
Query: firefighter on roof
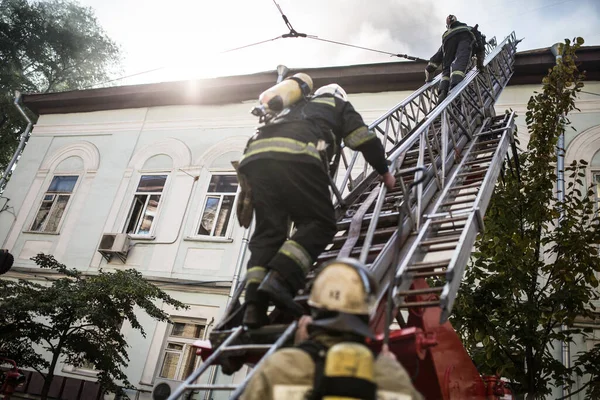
(453, 55)
(283, 168)
(333, 361)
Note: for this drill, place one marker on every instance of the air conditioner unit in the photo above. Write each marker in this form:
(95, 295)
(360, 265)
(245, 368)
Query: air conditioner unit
(163, 388)
(114, 244)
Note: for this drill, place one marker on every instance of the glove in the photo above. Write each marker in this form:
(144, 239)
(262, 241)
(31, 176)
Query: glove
(429, 70)
(244, 209)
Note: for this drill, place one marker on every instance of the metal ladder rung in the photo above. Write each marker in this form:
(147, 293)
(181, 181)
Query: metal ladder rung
(451, 219)
(479, 161)
(431, 264)
(420, 304)
(474, 171)
(482, 151)
(469, 186)
(440, 248)
(440, 240)
(452, 203)
(247, 347)
(416, 292)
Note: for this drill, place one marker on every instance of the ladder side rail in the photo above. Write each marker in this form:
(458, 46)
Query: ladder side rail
(460, 258)
(480, 205)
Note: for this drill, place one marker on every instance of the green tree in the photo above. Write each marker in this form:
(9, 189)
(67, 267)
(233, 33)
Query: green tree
(47, 46)
(77, 318)
(532, 274)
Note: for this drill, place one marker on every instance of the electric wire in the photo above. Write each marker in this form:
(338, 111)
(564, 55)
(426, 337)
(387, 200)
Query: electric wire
(595, 94)
(291, 34)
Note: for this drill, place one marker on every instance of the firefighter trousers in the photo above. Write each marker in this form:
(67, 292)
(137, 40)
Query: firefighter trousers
(457, 54)
(284, 191)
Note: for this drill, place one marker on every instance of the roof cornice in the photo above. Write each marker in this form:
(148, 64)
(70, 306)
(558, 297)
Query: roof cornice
(530, 67)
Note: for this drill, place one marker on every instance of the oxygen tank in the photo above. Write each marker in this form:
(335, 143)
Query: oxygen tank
(349, 365)
(284, 94)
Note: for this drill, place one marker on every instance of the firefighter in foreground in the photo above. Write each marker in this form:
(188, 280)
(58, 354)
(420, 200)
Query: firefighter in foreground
(459, 42)
(333, 361)
(284, 176)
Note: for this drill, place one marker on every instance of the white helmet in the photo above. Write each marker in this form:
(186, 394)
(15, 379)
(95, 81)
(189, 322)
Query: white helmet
(333, 89)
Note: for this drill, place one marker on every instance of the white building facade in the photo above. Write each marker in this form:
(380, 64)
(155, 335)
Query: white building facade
(154, 162)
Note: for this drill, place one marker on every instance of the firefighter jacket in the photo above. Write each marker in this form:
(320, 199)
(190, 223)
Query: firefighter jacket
(295, 135)
(458, 31)
(288, 374)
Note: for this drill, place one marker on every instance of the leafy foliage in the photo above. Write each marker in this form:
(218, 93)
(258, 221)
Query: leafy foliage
(47, 46)
(534, 270)
(78, 318)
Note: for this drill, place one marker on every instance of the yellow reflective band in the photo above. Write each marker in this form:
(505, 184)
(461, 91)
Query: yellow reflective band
(458, 73)
(256, 275)
(359, 136)
(445, 78)
(282, 145)
(330, 101)
(458, 28)
(433, 64)
(297, 253)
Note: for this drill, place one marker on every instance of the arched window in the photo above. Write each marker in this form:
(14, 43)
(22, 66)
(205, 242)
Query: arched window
(218, 205)
(152, 167)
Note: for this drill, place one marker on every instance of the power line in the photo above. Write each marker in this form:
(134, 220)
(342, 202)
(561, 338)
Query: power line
(291, 34)
(595, 94)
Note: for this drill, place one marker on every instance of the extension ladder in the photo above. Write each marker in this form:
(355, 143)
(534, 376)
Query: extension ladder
(447, 157)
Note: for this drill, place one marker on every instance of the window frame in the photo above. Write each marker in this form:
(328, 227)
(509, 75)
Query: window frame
(67, 207)
(187, 344)
(151, 234)
(230, 225)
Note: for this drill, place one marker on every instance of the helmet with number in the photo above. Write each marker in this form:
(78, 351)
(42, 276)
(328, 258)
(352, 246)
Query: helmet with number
(450, 19)
(342, 297)
(333, 89)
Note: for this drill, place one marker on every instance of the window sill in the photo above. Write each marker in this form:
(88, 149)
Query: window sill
(82, 372)
(142, 237)
(42, 233)
(212, 239)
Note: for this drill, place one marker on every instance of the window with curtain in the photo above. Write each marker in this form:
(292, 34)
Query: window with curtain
(179, 358)
(144, 208)
(54, 203)
(218, 205)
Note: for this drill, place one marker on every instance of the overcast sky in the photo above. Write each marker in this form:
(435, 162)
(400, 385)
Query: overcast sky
(184, 39)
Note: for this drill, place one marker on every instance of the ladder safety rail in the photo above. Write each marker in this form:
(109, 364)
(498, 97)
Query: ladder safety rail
(400, 121)
(463, 109)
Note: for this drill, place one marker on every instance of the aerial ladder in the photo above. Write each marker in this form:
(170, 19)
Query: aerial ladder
(416, 239)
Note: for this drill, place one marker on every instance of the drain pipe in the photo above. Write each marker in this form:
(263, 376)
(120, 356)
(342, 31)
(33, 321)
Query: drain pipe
(22, 142)
(565, 355)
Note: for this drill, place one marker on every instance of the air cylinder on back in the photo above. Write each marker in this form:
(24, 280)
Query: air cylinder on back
(284, 94)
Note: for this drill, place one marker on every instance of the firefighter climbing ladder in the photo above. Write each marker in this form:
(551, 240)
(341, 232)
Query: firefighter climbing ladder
(448, 157)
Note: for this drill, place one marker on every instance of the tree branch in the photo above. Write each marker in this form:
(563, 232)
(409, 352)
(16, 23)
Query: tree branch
(577, 391)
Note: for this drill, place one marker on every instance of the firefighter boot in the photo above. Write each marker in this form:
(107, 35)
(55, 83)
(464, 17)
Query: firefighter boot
(280, 293)
(255, 314)
(443, 89)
